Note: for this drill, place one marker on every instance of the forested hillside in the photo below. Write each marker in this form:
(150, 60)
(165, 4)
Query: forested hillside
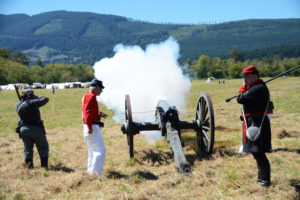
(80, 37)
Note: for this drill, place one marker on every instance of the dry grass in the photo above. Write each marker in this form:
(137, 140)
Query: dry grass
(152, 174)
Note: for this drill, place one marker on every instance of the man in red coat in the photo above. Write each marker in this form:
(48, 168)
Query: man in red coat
(91, 128)
(254, 96)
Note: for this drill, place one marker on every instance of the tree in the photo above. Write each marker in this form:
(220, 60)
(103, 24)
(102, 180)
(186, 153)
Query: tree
(218, 68)
(37, 73)
(20, 57)
(4, 53)
(202, 66)
(17, 73)
(3, 72)
(236, 54)
(40, 62)
(235, 70)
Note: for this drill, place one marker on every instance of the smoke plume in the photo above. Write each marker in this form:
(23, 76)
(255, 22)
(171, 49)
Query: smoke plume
(146, 75)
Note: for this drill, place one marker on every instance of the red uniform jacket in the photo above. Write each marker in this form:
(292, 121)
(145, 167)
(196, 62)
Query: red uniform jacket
(89, 109)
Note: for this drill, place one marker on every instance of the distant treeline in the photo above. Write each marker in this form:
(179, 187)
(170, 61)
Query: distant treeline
(285, 51)
(13, 68)
(231, 68)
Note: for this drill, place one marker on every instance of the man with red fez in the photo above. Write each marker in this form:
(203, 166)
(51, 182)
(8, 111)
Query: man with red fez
(91, 128)
(254, 96)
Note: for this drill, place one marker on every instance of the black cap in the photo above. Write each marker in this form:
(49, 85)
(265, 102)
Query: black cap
(28, 92)
(97, 83)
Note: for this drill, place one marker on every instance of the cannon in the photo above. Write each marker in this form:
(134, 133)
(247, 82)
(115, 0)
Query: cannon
(168, 123)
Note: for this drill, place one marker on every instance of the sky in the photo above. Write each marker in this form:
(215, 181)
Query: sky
(164, 11)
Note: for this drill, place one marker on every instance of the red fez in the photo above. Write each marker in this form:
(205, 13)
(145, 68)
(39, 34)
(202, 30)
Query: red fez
(249, 70)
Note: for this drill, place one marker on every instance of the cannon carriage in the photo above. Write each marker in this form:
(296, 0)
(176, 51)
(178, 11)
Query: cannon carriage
(168, 123)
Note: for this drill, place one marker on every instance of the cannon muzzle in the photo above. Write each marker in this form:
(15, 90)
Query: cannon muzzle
(168, 113)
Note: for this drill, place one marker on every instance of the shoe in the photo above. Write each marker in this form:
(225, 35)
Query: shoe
(28, 164)
(258, 180)
(265, 183)
(44, 162)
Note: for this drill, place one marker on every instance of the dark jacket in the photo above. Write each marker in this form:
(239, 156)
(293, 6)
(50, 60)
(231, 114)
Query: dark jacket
(28, 109)
(254, 101)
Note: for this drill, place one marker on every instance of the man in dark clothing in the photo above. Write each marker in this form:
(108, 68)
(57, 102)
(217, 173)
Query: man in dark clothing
(31, 128)
(255, 97)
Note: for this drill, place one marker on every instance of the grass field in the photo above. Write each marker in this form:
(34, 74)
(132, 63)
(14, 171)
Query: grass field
(152, 174)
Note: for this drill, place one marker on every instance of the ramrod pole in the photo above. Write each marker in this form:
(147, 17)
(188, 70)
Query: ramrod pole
(271, 79)
(17, 91)
(283, 73)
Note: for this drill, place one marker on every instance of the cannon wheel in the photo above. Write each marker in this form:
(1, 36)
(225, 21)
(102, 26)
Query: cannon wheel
(128, 121)
(205, 125)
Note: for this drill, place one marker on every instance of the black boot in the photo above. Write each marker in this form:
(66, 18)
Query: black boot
(29, 163)
(266, 176)
(44, 162)
(264, 171)
(259, 176)
(265, 183)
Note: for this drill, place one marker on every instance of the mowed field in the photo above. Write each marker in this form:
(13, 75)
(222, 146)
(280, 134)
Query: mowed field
(152, 173)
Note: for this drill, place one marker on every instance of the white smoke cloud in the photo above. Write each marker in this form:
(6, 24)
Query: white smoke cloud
(147, 76)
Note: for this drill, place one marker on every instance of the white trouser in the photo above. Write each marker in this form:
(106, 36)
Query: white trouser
(96, 149)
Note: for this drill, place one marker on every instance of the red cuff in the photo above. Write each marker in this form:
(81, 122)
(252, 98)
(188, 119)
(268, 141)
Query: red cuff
(243, 88)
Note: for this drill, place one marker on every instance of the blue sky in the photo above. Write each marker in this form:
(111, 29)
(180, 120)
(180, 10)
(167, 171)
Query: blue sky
(164, 11)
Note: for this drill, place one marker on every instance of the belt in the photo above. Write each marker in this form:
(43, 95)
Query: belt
(96, 122)
(101, 124)
(257, 113)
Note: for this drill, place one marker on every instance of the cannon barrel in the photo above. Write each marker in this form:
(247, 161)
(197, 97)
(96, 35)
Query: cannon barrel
(168, 113)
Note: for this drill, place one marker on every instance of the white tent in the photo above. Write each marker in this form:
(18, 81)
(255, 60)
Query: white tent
(210, 79)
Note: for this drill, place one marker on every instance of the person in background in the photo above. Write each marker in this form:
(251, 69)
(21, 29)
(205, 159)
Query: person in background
(30, 127)
(91, 128)
(254, 96)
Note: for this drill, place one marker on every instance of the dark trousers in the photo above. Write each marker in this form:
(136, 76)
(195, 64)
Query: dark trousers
(263, 165)
(34, 135)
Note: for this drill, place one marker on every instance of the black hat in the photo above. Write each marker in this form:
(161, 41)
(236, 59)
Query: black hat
(97, 83)
(28, 92)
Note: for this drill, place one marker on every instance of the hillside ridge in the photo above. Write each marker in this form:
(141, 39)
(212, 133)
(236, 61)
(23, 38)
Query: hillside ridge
(88, 37)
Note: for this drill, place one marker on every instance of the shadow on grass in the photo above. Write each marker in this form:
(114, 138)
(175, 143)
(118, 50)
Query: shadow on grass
(145, 175)
(296, 184)
(139, 174)
(60, 167)
(217, 153)
(191, 158)
(154, 157)
(160, 158)
(286, 150)
(116, 175)
(222, 152)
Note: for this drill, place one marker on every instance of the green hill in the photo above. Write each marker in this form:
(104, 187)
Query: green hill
(81, 37)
